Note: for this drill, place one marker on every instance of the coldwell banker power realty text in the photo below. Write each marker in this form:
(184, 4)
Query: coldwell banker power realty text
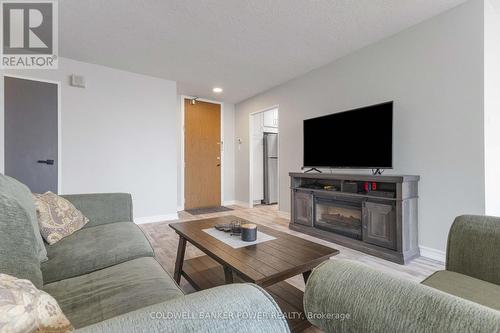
(29, 35)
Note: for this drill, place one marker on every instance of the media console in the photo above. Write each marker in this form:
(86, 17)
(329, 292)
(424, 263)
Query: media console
(377, 215)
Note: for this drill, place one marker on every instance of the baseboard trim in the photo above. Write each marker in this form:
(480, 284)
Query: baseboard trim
(180, 208)
(155, 219)
(241, 203)
(284, 215)
(229, 203)
(433, 254)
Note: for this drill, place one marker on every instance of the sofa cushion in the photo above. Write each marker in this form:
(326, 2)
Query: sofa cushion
(18, 252)
(116, 290)
(103, 208)
(469, 288)
(15, 190)
(91, 249)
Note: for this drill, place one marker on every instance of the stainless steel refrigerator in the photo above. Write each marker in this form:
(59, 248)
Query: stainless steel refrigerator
(270, 168)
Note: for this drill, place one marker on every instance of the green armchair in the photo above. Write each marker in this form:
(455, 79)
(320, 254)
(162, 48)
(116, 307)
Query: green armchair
(344, 296)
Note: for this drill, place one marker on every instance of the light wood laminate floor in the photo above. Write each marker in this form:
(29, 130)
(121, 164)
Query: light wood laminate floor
(164, 241)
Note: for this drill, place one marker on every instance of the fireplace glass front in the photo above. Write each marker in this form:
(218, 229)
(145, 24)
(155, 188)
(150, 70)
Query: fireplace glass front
(340, 216)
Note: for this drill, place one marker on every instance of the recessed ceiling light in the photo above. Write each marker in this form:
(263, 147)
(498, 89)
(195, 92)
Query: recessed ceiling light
(217, 90)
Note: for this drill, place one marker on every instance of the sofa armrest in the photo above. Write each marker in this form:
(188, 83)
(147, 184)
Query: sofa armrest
(231, 308)
(343, 296)
(103, 208)
(473, 247)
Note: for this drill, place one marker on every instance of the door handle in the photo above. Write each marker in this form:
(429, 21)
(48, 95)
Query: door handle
(48, 162)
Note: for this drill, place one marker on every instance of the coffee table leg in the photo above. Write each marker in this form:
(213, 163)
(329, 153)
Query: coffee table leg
(181, 250)
(228, 275)
(305, 275)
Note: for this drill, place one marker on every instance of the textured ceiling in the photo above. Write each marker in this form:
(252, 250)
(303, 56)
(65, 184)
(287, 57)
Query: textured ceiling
(244, 46)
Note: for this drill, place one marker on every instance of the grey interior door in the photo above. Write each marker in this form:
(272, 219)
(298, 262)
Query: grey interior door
(31, 133)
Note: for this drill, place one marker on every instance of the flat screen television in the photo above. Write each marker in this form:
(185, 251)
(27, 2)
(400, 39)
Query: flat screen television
(360, 138)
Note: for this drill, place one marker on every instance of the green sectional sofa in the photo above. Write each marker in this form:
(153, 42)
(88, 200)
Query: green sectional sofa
(463, 298)
(105, 277)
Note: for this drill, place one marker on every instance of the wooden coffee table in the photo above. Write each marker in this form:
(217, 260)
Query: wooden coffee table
(266, 264)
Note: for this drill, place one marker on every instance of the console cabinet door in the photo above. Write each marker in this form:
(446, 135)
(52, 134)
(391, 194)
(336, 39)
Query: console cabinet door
(379, 224)
(303, 208)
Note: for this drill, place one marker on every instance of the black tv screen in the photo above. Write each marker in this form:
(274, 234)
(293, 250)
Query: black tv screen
(360, 138)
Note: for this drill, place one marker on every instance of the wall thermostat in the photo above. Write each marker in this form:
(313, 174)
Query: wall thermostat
(78, 81)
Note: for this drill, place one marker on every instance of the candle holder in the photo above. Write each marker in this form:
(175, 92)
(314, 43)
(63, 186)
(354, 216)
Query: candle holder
(249, 232)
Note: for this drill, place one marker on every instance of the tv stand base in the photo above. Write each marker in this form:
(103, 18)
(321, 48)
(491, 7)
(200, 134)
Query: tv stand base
(402, 258)
(337, 207)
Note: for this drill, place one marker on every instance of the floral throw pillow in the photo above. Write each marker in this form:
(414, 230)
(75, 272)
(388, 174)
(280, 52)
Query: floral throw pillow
(57, 217)
(25, 309)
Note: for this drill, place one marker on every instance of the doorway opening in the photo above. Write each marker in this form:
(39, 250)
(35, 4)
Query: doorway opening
(32, 132)
(264, 157)
(202, 149)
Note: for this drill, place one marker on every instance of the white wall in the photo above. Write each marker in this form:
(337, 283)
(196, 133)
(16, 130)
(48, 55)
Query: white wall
(227, 128)
(118, 135)
(492, 105)
(434, 73)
